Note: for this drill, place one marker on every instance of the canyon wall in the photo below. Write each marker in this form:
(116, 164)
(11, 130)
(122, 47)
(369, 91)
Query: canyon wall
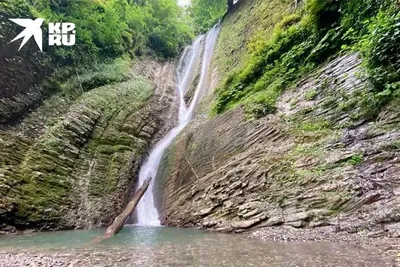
(72, 161)
(316, 161)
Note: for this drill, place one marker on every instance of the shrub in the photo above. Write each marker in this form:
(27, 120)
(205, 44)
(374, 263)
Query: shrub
(302, 41)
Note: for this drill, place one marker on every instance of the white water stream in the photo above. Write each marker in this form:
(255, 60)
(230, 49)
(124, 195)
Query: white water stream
(147, 214)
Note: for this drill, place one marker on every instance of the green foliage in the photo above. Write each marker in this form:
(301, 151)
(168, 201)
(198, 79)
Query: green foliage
(310, 95)
(357, 14)
(110, 28)
(15, 8)
(168, 28)
(206, 13)
(281, 58)
(303, 40)
(356, 159)
(263, 102)
(101, 74)
(381, 49)
(315, 126)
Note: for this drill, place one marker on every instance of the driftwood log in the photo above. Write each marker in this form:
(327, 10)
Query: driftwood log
(119, 222)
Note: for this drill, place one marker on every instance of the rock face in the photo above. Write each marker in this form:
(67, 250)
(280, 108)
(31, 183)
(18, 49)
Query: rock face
(311, 164)
(20, 71)
(72, 162)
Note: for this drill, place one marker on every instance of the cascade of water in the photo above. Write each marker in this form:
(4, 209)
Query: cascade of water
(186, 71)
(146, 211)
(209, 45)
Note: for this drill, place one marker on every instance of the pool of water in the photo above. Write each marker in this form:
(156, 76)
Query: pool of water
(129, 236)
(164, 246)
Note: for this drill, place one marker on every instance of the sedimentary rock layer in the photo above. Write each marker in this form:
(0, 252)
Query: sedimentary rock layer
(313, 163)
(72, 162)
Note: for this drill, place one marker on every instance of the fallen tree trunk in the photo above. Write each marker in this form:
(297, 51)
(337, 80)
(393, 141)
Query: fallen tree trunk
(119, 222)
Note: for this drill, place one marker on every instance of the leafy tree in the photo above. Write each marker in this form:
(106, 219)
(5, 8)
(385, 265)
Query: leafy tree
(205, 13)
(168, 30)
(111, 28)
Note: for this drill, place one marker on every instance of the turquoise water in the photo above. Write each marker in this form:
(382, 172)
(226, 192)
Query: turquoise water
(129, 236)
(165, 246)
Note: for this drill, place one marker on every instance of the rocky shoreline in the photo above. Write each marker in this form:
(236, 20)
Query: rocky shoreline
(83, 257)
(388, 247)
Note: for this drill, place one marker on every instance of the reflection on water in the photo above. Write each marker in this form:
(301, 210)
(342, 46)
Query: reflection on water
(163, 246)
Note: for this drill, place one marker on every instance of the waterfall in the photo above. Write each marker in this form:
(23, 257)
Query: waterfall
(147, 213)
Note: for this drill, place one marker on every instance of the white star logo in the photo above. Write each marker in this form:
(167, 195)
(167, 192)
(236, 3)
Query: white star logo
(32, 28)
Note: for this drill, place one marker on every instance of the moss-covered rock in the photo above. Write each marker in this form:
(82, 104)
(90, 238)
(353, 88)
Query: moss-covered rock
(72, 162)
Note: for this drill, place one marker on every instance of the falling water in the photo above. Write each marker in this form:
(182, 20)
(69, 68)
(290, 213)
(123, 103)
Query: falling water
(146, 211)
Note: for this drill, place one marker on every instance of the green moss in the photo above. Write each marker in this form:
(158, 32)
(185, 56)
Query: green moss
(90, 132)
(310, 95)
(294, 102)
(356, 159)
(302, 41)
(262, 103)
(243, 29)
(313, 150)
(315, 126)
(314, 173)
(98, 75)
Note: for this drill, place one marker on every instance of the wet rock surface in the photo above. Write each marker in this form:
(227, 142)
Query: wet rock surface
(72, 162)
(317, 163)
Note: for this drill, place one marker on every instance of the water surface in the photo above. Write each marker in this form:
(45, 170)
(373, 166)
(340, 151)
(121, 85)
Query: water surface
(164, 246)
